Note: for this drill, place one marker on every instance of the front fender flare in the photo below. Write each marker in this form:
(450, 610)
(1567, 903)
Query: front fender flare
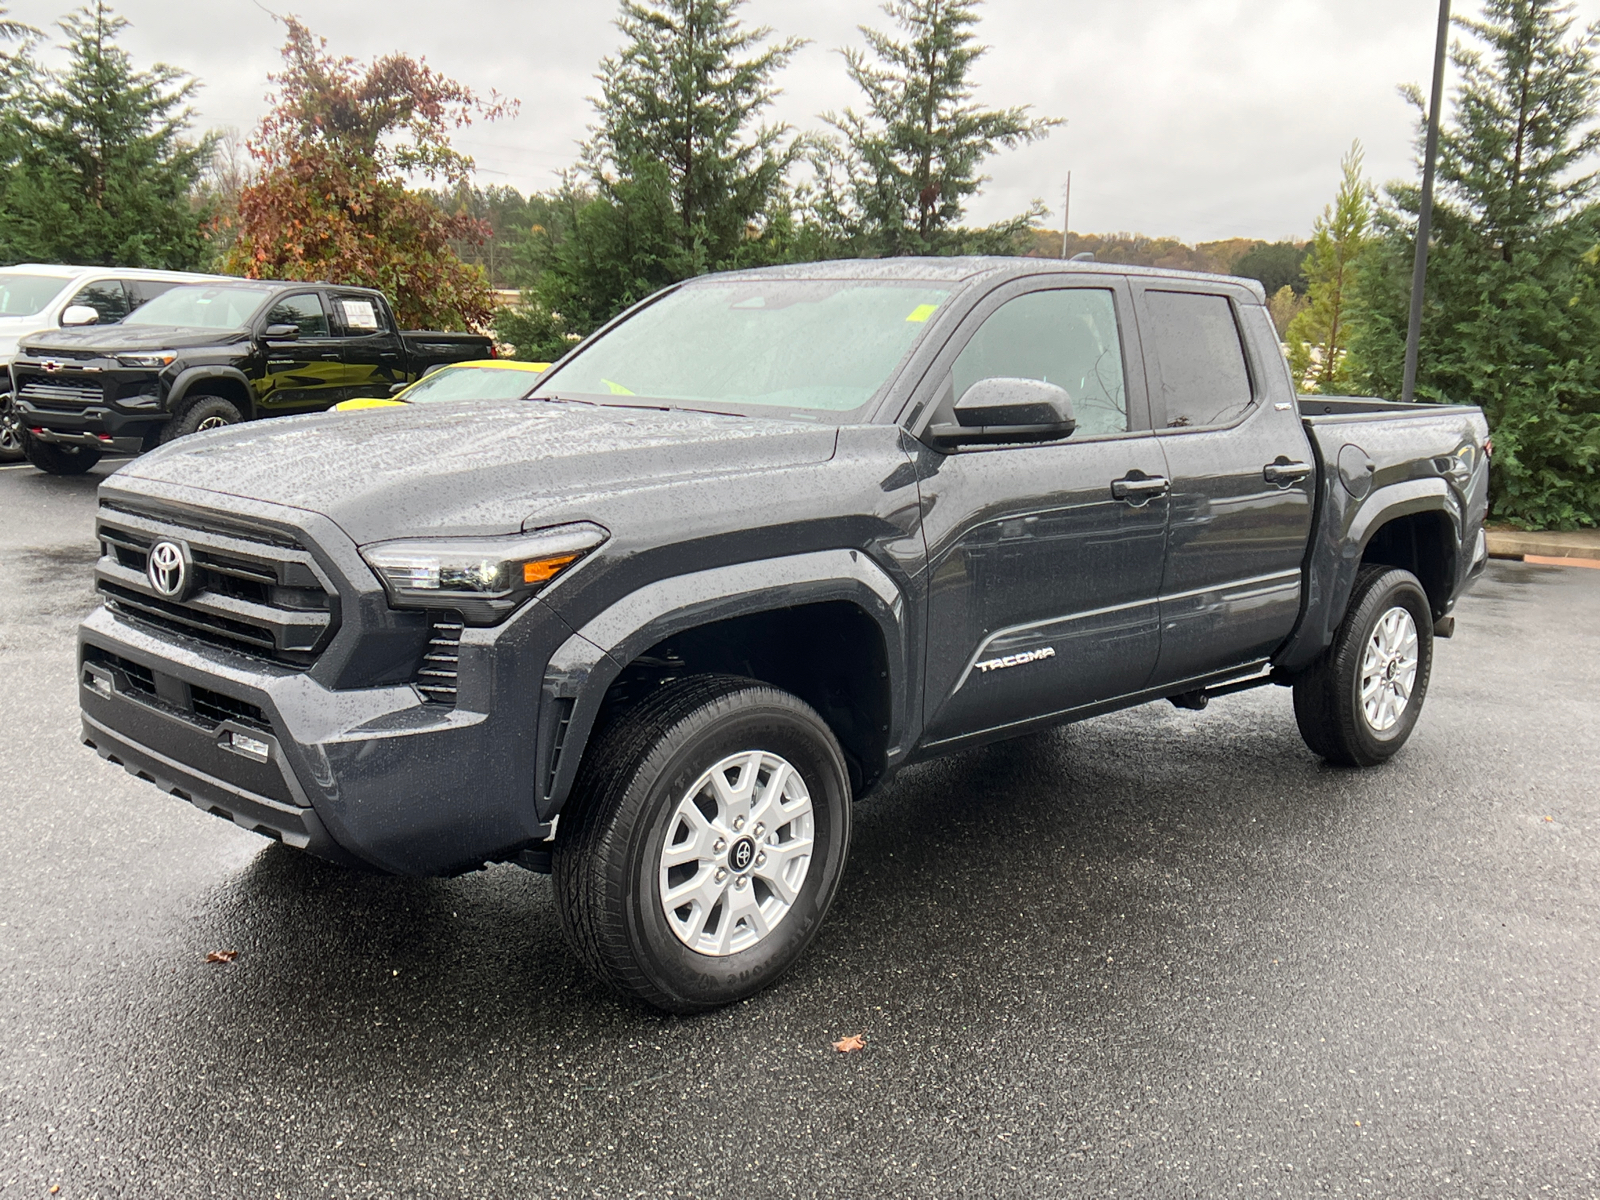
(190, 376)
(586, 664)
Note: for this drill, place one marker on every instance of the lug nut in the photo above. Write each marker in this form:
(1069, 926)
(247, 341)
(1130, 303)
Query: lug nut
(719, 847)
(761, 830)
(761, 860)
(738, 822)
(741, 882)
(722, 873)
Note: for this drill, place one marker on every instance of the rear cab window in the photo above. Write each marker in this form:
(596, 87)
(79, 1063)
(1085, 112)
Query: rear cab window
(360, 316)
(1203, 378)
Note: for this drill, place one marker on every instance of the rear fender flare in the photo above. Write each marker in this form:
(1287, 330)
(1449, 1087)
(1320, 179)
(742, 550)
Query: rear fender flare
(1324, 612)
(587, 663)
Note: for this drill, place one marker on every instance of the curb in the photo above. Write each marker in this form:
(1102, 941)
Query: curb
(1580, 549)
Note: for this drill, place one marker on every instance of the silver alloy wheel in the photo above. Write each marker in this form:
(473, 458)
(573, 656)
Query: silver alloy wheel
(10, 432)
(737, 852)
(213, 423)
(1389, 669)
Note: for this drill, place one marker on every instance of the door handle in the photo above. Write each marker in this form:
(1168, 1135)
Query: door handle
(1139, 489)
(331, 357)
(1283, 472)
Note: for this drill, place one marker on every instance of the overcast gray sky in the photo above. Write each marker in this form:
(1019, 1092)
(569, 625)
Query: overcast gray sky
(1201, 119)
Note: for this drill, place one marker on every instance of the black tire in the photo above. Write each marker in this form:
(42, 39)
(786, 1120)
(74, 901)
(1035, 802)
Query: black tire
(10, 432)
(197, 413)
(59, 460)
(608, 853)
(1328, 697)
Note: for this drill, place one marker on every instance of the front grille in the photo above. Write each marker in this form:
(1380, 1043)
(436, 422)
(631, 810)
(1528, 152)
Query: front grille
(252, 591)
(200, 705)
(436, 679)
(62, 396)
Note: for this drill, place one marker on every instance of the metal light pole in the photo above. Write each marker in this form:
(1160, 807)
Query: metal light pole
(1066, 215)
(1430, 155)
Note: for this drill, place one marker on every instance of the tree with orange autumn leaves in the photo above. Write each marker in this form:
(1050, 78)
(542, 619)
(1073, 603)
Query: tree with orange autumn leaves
(330, 200)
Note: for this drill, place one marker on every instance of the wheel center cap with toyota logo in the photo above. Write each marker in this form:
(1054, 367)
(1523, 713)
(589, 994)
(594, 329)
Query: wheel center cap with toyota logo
(742, 854)
(168, 570)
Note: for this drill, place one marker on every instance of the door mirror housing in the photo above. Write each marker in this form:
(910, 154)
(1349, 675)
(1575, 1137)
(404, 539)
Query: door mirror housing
(396, 388)
(999, 410)
(79, 314)
(281, 333)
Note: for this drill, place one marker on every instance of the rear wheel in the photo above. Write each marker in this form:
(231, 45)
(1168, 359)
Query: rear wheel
(1357, 705)
(59, 460)
(10, 432)
(199, 413)
(703, 843)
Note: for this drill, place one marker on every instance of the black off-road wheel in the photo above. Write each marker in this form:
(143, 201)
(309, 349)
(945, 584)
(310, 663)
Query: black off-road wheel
(58, 460)
(1357, 705)
(703, 843)
(199, 413)
(10, 432)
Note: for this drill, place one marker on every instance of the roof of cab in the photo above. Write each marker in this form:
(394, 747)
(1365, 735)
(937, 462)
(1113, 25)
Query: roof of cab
(65, 271)
(959, 270)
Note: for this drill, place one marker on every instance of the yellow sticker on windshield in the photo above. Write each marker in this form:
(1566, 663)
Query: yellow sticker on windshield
(922, 312)
(616, 388)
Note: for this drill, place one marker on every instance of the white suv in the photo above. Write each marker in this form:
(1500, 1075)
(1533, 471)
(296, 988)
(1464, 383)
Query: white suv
(35, 297)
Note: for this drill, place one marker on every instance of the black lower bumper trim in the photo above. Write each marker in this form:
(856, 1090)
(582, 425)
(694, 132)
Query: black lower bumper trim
(297, 827)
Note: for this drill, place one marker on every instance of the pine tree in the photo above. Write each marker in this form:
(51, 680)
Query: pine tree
(1319, 337)
(913, 156)
(683, 176)
(1511, 316)
(104, 171)
(684, 94)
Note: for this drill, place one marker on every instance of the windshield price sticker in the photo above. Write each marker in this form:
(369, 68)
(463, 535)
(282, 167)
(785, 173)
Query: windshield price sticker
(359, 314)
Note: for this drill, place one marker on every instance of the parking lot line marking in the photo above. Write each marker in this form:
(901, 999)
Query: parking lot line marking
(15, 466)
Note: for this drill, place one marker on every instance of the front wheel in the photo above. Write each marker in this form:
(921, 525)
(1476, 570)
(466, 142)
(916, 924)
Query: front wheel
(704, 842)
(197, 414)
(1359, 702)
(59, 460)
(10, 432)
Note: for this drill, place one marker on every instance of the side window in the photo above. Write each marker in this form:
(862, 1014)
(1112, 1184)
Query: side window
(360, 315)
(303, 311)
(108, 298)
(146, 290)
(1204, 380)
(1066, 337)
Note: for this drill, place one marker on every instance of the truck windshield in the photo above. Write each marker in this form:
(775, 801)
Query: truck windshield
(202, 307)
(803, 346)
(27, 295)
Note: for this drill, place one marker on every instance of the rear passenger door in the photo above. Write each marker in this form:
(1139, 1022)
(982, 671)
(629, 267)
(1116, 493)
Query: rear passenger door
(1043, 574)
(307, 372)
(1241, 472)
(373, 357)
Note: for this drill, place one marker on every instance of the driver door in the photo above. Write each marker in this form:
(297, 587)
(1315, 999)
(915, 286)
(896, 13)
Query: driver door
(305, 373)
(1044, 584)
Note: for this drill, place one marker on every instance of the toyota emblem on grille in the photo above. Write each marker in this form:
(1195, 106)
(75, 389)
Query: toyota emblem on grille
(168, 569)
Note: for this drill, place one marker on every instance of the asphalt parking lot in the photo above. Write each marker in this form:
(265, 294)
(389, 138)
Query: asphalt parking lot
(1158, 954)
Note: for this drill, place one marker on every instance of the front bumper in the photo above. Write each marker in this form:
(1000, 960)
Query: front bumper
(374, 775)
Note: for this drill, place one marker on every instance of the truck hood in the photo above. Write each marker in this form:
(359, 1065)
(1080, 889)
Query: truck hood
(113, 339)
(472, 467)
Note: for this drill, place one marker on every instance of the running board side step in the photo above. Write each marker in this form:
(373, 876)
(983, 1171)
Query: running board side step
(1197, 700)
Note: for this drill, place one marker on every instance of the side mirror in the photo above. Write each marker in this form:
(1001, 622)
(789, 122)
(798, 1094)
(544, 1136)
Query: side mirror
(999, 410)
(281, 333)
(396, 388)
(80, 314)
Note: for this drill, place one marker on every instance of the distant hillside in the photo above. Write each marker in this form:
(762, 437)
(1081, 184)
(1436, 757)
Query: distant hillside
(1135, 249)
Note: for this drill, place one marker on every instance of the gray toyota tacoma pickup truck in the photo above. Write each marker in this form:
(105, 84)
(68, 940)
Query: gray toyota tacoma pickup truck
(745, 553)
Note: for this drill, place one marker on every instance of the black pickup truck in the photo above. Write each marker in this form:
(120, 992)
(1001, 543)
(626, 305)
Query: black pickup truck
(207, 355)
(744, 554)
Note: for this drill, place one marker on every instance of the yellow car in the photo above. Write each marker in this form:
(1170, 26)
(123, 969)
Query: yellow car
(481, 379)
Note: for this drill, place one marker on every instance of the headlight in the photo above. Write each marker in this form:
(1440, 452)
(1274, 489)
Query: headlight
(150, 358)
(482, 578)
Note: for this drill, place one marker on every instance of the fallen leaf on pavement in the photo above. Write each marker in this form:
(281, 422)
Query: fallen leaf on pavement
(847, 1044)
(222, 956)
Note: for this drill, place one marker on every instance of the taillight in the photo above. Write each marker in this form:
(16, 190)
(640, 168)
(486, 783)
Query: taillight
(494, 351)
(1488, 447)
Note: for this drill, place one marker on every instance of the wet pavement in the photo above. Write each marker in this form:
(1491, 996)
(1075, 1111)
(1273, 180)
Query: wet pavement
(1158, 954)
